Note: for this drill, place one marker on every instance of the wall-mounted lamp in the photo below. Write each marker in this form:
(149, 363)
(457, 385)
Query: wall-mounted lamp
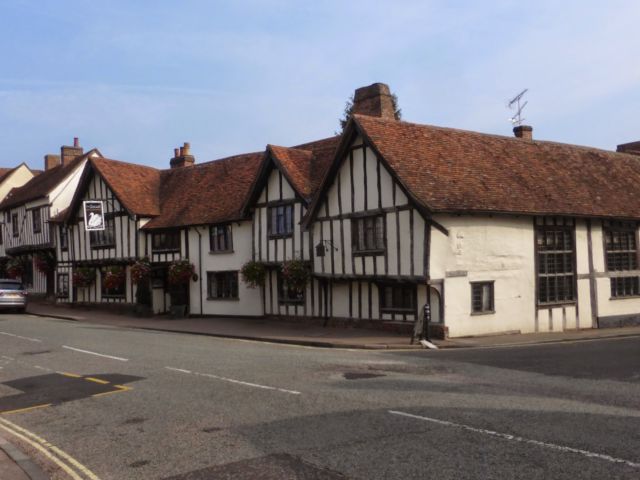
(321, 247)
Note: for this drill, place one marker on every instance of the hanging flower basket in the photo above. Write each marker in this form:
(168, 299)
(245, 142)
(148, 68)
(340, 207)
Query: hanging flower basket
(114, 277)
(15, 267)
(296, 273)
(84, 277)
(45, 262)
(181, 272)
(141, 271)
(253, 274)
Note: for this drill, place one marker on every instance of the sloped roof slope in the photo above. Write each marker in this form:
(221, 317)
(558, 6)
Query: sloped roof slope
(40, 185)
(205, 193)
(451, 170)
(137, 187)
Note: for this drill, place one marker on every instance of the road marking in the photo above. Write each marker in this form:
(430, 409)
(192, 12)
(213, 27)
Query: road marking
(67, 374)
(49, 450)
(515, 438)
(97, 380)
(7, 358)
(182, 370)
(233, 380)
(21, 337)
(28, 409)
(96, 353)
(120, 388)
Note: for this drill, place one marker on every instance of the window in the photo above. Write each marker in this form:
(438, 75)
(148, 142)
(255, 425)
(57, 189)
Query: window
(289, 294)
(621, 253)
(280, 220)
(222, 285)
(220, 238)
(104, 238)
(397, 298)
(556, 269)
(482, 297)
(367, 235)
(36, 220)
(166, 241)
(64, 238)
(63, 285)
(14, 224)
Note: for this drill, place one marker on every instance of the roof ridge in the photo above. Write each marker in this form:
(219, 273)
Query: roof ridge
(498, 136)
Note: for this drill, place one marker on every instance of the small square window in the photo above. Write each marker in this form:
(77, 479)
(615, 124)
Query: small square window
(280, 220)
(482, 297)
(36, 218)
(220, 238)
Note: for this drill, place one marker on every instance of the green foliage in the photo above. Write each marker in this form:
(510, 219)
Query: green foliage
(141, 271)
(114, 277)
(15, 267)
(253, 273)
(180, 272)
(296, 273)
(84, 276)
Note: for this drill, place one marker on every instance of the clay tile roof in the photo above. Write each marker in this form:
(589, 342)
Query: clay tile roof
(306, 164)
(136, 186)
(4, 172)
(40, 185)
(206, 193)
(297, 166)
(458, 171)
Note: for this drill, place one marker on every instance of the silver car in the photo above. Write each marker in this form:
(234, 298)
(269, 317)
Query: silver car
(12, 295)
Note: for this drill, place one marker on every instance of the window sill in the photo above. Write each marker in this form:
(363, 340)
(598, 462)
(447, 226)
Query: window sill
(113, 296)
(369, 253)
(168, 250)
(102, 247)
(222, 299)
(625, 297)
(276, 237)
(556, 304)
(220, 252)
(488, 312)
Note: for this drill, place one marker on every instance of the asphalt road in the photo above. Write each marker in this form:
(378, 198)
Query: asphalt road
(130, 404)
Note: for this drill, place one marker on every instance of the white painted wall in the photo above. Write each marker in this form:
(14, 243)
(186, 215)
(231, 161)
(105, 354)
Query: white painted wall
(249, 302)
(481, 248)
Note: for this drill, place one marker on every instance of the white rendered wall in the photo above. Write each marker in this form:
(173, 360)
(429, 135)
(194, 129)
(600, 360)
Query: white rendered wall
(482, 248)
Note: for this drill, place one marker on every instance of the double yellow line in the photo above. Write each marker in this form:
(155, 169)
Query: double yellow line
(67, 463)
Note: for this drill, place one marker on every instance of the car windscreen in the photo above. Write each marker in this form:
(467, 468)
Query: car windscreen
(10, 286)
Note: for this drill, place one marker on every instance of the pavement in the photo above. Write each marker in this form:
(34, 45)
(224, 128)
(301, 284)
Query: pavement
(15, 465)
(310, 335)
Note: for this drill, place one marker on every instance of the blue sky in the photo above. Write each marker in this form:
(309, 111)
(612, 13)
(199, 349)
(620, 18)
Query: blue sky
(136, 79)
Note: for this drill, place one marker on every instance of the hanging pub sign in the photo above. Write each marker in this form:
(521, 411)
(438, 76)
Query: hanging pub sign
(93, 215)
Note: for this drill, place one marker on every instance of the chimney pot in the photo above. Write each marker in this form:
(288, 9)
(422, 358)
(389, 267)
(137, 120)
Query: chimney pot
(182, 157)
(375, 100)
(76, 142)
(523, 131)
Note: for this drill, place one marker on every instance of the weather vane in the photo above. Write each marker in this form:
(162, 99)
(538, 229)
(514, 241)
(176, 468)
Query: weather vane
(515, 103)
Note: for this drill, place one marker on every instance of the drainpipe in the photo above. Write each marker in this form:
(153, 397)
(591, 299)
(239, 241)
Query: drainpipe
(593, 285)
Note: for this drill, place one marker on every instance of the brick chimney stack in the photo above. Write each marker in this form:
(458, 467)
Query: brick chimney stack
(68, 153)
(524, 132)
(375, 100)
(182, 157)
(51, 161)
(632, 147)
